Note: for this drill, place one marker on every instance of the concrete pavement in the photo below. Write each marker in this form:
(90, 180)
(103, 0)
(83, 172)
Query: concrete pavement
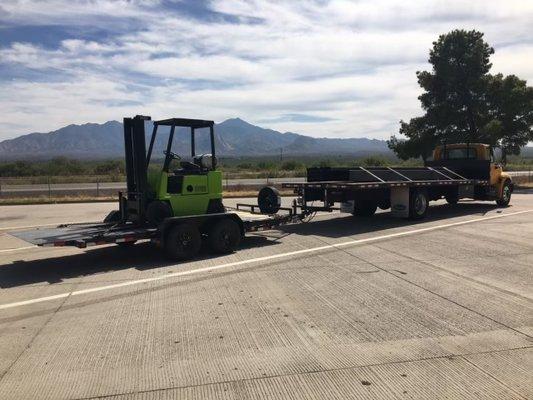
(438, 309)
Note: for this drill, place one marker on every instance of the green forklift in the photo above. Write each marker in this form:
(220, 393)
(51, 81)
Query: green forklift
(172, 202)
(181, 198)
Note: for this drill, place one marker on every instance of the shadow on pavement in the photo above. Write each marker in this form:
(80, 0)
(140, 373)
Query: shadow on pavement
(145, 256)
(349, 225)
(142, 256)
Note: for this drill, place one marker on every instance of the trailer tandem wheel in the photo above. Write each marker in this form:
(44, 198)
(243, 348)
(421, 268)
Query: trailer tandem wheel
(183, 241)
(224, 236)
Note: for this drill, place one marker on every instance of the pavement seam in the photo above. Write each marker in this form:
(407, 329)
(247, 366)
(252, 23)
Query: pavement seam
(30, 343)
(430, 264)
(437, 294)
(492, 376)
(260, 378)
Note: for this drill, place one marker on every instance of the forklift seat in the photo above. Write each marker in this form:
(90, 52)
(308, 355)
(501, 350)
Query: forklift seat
(189, 166)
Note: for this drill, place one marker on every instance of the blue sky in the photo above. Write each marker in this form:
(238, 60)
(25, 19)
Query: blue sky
(325, 68)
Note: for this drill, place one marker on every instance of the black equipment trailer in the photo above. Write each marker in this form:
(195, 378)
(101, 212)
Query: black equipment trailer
(406, 191)
(84, 235)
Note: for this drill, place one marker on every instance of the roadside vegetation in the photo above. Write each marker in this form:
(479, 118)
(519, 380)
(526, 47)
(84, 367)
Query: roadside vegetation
(64, 170)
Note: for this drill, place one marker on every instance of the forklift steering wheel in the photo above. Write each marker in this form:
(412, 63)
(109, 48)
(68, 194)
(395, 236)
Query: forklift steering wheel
(173, 155)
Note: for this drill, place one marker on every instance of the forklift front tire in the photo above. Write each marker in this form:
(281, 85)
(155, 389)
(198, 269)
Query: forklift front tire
(183, 242)
(224, 236)
(157, 212)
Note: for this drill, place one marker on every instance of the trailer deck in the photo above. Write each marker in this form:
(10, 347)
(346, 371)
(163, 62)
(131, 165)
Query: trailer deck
(381, 177)
(93, 234)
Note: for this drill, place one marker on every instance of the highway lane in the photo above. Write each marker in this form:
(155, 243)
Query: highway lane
(438, 309)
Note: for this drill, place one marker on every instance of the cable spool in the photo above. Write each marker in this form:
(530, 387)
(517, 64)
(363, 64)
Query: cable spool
(269, 200)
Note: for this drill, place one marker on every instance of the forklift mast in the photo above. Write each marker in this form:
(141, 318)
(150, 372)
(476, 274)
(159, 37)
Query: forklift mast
(134, 205)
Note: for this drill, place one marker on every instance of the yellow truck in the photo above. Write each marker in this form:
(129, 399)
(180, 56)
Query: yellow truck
(456, 171)
(475, 160)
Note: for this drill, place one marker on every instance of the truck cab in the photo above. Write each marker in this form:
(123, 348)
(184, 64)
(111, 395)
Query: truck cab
(475, 161)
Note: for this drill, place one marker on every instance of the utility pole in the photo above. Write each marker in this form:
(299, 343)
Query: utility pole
(281, 154)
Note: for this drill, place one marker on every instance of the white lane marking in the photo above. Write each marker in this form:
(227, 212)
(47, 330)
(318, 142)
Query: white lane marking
(254, 260)
(17, 248)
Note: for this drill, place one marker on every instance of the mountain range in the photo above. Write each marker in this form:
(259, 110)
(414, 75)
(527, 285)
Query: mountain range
(234, 137)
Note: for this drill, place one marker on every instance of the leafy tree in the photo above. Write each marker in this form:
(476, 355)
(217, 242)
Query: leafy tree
(422, 139)
(463, 102)
(510, 103)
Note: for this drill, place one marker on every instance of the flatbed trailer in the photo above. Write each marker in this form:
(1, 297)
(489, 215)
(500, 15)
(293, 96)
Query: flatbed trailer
(406, 191)
(84, 235)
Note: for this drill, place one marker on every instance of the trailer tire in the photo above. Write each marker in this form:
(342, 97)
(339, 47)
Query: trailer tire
(418, 204)
(183, 242)
(505, 198)
(364, 209)
(224, 236)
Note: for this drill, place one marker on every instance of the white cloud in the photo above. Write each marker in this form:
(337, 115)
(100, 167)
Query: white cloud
(352, 63)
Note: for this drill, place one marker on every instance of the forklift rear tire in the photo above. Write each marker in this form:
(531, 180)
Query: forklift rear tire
(224, 236)
(157, 212)
(183, 242)
(364, 209)
(418, 204)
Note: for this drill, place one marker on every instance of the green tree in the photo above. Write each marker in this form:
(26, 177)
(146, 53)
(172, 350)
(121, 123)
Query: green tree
(421, 142)
(454, 97)
(510, 110)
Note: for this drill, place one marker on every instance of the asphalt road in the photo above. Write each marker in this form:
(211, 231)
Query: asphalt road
(338, 308)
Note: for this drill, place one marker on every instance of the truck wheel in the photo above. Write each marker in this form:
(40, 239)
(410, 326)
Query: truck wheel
(183, 242)
(157, 211)
(224, 236)
(364, 209)
(269, 200)
(418, 204)
(505, 198)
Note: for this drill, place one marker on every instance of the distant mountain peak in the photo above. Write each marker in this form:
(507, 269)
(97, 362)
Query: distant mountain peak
(234, 137)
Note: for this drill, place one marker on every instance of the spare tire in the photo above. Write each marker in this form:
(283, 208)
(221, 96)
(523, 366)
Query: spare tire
(113, 217)
(269, 200)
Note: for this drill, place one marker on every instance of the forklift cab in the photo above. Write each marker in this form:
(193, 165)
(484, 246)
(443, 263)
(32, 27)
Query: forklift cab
(174, 187)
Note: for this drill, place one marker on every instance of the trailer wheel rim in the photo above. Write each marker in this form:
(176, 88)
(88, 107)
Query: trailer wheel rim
(420, 204)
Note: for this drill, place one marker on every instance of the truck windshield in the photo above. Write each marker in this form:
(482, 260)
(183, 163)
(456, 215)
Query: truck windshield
(461, 153)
